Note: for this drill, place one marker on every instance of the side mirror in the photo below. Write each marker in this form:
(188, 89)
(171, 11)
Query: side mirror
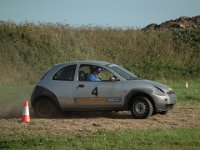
(114, 78)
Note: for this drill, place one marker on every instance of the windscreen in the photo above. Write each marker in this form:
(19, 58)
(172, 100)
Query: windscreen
(123, 72)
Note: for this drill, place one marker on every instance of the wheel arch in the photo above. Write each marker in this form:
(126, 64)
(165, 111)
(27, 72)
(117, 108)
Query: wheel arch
(136, 93)
(41, 92)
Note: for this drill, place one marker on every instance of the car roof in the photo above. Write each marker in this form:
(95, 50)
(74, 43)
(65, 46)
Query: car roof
(92, 62)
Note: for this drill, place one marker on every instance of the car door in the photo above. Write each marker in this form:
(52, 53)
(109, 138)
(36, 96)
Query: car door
(98, 94)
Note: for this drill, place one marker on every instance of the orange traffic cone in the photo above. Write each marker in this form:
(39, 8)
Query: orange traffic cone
(25, 114)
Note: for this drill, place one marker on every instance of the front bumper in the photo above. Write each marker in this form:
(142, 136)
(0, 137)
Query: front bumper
(164, 103)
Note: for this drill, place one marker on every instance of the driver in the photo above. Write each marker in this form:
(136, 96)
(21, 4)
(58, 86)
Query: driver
(95, 76)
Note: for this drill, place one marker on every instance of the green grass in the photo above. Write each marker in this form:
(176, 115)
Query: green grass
(11, 92)
(12, 99)
(190, 94)
(131, 139)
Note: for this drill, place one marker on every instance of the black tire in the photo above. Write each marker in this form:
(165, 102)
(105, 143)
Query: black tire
(141, 108)
(45, 108)
(163, 112)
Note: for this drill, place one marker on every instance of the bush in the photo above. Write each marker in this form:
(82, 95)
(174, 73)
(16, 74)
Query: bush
(27, 50)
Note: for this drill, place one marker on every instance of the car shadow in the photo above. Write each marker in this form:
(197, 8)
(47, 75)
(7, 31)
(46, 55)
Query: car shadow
(95, 114)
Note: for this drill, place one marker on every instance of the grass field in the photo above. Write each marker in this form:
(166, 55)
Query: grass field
(162, 132)
(132, 139)
(12, 98)
(190, 94)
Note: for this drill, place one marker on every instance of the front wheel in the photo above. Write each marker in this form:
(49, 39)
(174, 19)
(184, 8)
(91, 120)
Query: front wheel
(163, 112)
(45, 108)
(141, 108)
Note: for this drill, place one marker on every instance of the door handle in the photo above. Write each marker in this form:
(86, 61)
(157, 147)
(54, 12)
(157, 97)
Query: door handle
(81, 85)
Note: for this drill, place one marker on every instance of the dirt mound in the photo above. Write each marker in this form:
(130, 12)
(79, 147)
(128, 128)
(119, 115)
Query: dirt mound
(180, 23)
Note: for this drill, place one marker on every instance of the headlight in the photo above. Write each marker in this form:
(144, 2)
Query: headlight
(159, 91)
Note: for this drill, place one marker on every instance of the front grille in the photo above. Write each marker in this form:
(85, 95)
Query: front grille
(170, 92)
(169, 106)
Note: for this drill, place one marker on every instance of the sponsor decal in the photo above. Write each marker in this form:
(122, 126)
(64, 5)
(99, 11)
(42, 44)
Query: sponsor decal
(114, 99)
(97, 100)
(90, 100)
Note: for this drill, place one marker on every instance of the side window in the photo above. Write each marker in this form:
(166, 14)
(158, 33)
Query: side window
(106, 75)
(84, 71)
(87, 73)
(66, 73)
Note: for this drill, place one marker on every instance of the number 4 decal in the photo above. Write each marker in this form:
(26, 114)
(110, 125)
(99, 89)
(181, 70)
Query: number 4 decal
(95, 91)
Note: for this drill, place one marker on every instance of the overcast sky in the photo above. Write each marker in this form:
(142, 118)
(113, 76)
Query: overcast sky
(106, 13)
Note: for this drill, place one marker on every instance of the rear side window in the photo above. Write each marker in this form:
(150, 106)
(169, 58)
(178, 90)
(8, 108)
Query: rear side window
(66, 73)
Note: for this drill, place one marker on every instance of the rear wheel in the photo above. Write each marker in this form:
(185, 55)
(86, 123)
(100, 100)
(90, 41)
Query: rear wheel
(141, 108)
(45, 108)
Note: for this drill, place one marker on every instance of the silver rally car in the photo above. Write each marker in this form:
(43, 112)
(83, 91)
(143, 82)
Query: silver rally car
(65, 87)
